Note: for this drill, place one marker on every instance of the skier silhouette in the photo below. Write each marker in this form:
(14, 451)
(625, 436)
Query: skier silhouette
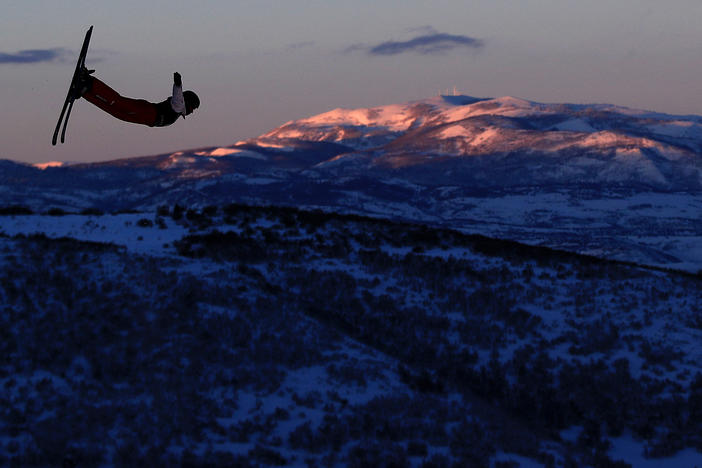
(137, 111)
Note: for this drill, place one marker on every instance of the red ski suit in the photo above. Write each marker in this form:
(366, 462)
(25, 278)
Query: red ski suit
(137, 111)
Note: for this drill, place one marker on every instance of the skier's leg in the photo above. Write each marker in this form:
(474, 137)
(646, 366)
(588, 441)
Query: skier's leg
(130, 110)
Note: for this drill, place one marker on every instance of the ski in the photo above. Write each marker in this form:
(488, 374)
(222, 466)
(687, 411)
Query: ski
(68, 103)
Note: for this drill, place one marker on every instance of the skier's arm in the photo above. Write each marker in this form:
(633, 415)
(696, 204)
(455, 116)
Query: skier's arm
(177, 100)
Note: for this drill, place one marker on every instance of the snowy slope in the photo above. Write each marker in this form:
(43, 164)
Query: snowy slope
(277, 336)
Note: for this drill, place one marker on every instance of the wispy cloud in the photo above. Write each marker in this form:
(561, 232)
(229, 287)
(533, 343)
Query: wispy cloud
(431, 43)
(35, 56)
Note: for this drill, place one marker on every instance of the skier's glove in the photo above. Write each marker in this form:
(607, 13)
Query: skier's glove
(177, 80)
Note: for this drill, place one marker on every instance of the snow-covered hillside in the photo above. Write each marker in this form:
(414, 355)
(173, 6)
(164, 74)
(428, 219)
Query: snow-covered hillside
(268, 336)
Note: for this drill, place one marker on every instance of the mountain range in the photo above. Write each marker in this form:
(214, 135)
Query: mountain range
(592, 178)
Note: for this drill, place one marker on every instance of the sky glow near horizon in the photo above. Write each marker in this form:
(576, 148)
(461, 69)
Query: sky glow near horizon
(257, 64)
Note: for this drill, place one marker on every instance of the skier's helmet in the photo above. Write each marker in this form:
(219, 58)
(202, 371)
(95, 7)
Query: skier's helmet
(192, 102)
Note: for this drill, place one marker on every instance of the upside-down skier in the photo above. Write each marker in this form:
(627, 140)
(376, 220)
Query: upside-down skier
(137, 111)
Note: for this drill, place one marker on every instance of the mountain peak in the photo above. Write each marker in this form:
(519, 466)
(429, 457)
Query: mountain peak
(555, 143)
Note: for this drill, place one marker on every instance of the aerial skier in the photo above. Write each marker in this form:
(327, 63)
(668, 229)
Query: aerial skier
(139, 111)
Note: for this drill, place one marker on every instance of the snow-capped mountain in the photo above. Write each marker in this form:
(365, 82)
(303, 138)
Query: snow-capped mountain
(508, 142)
(481, 143)
(598, 179)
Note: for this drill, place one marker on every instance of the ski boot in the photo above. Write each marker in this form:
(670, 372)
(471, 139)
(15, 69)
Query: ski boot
(83, 82)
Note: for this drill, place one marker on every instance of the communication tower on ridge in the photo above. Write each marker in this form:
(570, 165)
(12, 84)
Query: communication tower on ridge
(449, 92)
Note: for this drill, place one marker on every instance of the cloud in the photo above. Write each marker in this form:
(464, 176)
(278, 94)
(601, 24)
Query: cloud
(426, 44)
(35, 56)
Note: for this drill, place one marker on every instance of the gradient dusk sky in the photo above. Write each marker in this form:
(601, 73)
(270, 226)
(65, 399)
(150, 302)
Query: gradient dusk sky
(257, 64)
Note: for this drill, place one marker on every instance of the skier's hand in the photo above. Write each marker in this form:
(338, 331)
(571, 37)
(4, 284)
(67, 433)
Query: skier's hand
(177, 80)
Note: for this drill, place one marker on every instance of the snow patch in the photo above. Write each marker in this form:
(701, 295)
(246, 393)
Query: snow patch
(603, 139)
(393, 117)
(455, 131)
(45, 165)
(242, 153)
(485, 136)
(278, 146)
(178, 160)
(632, 451)
(122, 229)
